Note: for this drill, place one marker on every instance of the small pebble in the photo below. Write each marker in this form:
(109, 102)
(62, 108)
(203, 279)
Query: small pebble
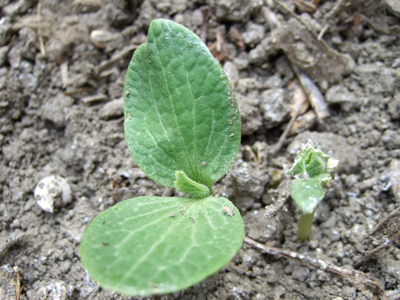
(52, 192)
(301, 274)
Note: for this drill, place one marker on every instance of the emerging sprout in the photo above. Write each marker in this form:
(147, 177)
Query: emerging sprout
(312, 165)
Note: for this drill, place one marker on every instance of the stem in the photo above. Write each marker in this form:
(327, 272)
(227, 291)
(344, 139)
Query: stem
(305, 226)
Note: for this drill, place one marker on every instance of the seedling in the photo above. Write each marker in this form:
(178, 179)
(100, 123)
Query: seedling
(182, 127)
(312, 165)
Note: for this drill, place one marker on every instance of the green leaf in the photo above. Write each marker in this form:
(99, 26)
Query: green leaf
(310, 161)
(190, 187)
(180, 111)
(155, 245)
(308, 193)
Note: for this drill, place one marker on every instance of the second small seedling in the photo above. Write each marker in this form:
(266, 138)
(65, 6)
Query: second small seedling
(313, 166)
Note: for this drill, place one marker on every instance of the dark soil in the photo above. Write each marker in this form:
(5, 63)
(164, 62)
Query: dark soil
(62, 69)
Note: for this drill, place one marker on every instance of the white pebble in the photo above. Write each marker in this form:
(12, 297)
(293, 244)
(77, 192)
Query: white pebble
(52, 192)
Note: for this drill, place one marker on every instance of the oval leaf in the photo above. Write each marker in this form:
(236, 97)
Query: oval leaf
(308, 193)
(180, 111)
(154, 245)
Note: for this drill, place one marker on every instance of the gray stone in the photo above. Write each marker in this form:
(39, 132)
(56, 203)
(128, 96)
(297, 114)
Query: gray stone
(339, 94)
(113, 109)
(391, 139)
(394, 7)
(261, 53)
(301, 274)
(54, 109)
(242, 61)
(394, 107)
(254, 34)
(233, 10)
(273, 107)
(232, 72)
(249, 113)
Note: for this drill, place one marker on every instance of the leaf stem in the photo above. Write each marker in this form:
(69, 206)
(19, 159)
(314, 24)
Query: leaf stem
(305, 226)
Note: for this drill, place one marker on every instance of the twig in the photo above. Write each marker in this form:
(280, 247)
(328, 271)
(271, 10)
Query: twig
(366, 184)
(301, 21)
(64, 74)
(94, 98)
(17, 284)
(371, 253)
(392, 30)
(206, 19)
(282, 138)
(9, 240)
(124, 52)
(357, 278)
(335, 9)
(384, 220)
(317, 40)
(42, 49)
(322, 32)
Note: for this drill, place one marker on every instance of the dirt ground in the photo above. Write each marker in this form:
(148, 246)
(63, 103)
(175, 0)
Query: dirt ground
(62, 69)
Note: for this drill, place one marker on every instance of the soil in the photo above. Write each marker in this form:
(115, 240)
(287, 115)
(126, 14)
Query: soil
(62, 69)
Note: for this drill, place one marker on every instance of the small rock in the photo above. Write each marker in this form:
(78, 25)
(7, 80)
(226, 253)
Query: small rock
(394, 7)
(243, 184)
(112, 110)
(301, 274)
(197, 18)
(391, 139)
(358, 233)
(254, 34)
(242, 61)
(5, 30)
(53, 109)
(394, 108)
(52, 192)
(233, 10)
(56, 290)
(261, 229)
(232, 72)
(106, 40)
(17, 7)
(249, 113)
(65, 266)
(339, 94)
(272, 277)
(261, 53)
(273, 107)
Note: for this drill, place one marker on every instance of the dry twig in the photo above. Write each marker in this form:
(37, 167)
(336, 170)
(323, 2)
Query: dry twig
(17, 284)
(283, 136)
(370, 254)
(358, 279)
(206, 19)
(42, 49)
(120, 54)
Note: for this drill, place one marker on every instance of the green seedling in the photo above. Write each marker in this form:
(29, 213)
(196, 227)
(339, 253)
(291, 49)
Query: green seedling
(313, 166)
(182, 127)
